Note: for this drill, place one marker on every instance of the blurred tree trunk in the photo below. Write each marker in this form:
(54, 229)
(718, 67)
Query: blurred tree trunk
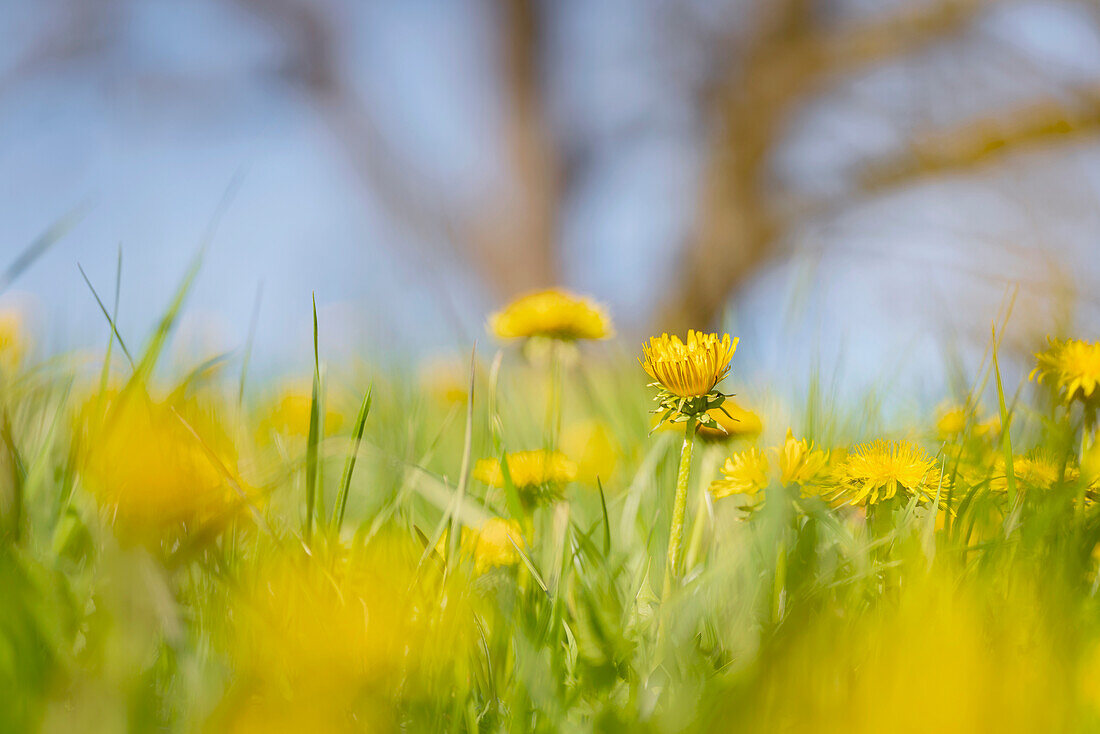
(514, 242)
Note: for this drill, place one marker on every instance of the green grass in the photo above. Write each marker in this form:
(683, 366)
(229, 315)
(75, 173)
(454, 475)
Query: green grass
(975, 612)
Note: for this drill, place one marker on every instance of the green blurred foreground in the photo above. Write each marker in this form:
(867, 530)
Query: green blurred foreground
(372, 552)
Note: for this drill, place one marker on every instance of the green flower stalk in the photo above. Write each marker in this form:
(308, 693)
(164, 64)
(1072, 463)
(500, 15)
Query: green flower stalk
(686, 374)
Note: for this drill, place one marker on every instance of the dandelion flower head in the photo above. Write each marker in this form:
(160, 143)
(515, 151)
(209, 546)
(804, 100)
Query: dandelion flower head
(878, 471)
(745, 472)
(1072, 366)
(554, 314)
(691, 368)
(799, 462)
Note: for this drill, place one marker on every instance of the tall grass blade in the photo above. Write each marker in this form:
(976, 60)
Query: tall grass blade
(41, 244)
(314, 434)
(464, 472)
(18, 473)
(168, 320)
(511, 494)
(606, 519)
(247, 357)
(110, 319)
(1006, 437)
(349, 465)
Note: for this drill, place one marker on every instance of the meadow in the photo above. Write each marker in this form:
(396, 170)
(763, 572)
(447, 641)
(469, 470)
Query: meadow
(537, 536)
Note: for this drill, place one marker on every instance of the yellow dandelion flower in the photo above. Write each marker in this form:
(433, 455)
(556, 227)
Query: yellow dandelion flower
(13, 340)
(688, 369)
(146, 466)
(555, 314)
(875, 472)
(799, 462)
(1037, 469)
(495, 544)
(745, 473)
(991, 426)
(1072, 366)
(951, 421)
(528, 469)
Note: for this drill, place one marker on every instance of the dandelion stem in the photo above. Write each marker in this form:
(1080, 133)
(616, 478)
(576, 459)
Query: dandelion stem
(702, 511)
(679, 506)
(779, 582)
(554, 403)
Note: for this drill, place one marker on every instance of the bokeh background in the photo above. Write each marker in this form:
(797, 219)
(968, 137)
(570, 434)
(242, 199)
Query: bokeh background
(853, 186)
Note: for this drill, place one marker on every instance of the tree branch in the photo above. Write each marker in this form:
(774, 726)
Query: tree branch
(738, 221)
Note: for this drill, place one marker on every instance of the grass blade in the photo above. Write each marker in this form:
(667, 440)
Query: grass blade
(247, 358)
(41, 244)
(171, 314)
(1006, 438)
(606, 520)
(453, 539)
(349, 465)
(110, 319)
(511, 494)
(314, 434)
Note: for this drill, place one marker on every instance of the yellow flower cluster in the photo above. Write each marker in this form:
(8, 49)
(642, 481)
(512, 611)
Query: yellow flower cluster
(554, 314)
(688, 369)
(748, 472)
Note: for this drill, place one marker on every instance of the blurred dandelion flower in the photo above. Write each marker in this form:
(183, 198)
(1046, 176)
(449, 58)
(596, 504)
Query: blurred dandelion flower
(990, 427)
(347, 627)
(528, 469)
(951, 421)
(799, 462)
(289, 414)
(745, 472)
(730, 421)
(494, 544)
(877, 471)
(13, 340)
(158, 466)
(554, 314)
(595, 449)
(1072, 366)
(1037, 469)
